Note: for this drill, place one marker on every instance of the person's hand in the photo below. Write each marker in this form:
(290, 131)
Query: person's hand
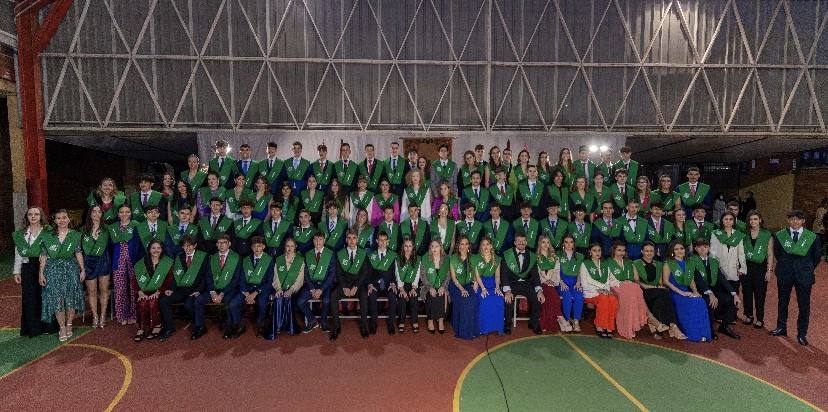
(464, 293)
(475, 286)
(402, 293)
(141, 295)
(392, 288)
(483, 292)
(316, 293)
(498, 291)
(82, 275)
(216, 298)
(17, 278)
(768, 275)
(413, 293)
(371, 289)
(286, 293)
(353, 291)
(168, 292)
(713, 301)
(195, 294)
(541, 298)
(508, 297)
(156, 294)
(441, 291)
(737, 302)
(346, 292)
(578, 286)
(251, 298)
(432, 292)
(564, 287)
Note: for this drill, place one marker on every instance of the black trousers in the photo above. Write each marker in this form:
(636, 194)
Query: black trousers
(165, 306)
(785, 286)
(407, 305)
(524, 288)
(435, 306)
(754, 289)
(373, 306)
(726, 309)
(30, 298)
(337, 295)
(660, 305)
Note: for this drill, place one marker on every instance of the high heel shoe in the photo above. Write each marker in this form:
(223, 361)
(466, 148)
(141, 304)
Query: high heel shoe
(62, 335)
(139, 336)
(68, 330)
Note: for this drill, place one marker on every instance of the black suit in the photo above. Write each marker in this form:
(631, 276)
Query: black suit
(182, 294)
(796, 272)
(524, 287)
(345, 280)
(724, 292)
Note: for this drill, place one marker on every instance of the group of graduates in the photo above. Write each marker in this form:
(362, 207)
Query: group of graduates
(383, 235)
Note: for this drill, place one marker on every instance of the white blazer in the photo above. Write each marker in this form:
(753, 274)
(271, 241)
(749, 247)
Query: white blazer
(731, 259)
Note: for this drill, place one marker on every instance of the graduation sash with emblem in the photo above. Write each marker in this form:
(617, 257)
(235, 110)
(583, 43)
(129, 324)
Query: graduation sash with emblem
(600, 275)
(197, 180)
(92, 246)
(547, 263)
(227, 168)
(417, 197)
(604, 228)
(532, 233)
(332, 238)
(498, 238)
(667, 200)
(435, 275)
(150, 282)
(502, 199)
(301, 235)
(408, 270)
(223, 276)
(731, 241)
(666, 235)
(261, 204)
(176, 235)
(185, 277)
(633, 236)
(382, 202)
(632, 170)
(587, 199)
(444, 173)
(274, 238)
(581, 238)
(710, 276)
(638, 264)
(514, 265)
(556, 236)
(146, 235)
(801, 246)
(298, 172)
(206, 194)
(435, 233)
(374, 177)
(465, 176)
(364, 237)
(527, 196)
(313, 203)
(405, 229)
(619, 199)
(480, 203)
(346, 175)
(207, 230)
(620, 272)
(288, 273)
(570, 267)
(153, 199)
(382, 264)
(472, 233)
(323, 177)
(112, 213)
(318, 271)
(273, 173)
(233, 203)
(683, 276)
(757, 251)
(242, 231)
(361, 202)
(485, 269)
(690, 201)
(391, 231)
(23, 248)
(395, 175)
(254, 276)
(462, 270)
(118, 235)
(693, 232)
(66, 250)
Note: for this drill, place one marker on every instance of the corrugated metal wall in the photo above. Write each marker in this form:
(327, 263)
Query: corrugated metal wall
(606, 65)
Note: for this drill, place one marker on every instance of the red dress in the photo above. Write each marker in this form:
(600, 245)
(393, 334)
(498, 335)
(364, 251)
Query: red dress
(149, 315)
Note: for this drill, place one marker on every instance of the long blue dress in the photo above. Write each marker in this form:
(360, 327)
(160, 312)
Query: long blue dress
(691, 312)
(464, 312)
(492, 307)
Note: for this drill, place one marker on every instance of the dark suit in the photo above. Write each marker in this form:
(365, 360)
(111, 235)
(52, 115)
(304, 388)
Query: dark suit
(346, 280)
(325, 285)
(605, 240)
(229, 291)
(382, 280)
(264, 290)
(182, 294)
(528, 287)
(723, 290)
(242, 245)
(796, 272)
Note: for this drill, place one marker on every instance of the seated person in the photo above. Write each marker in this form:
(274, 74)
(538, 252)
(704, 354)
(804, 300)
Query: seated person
(352, 270)
(189, 272)
(319, 278)
(222, 286)
(255, 285)
(722, 299)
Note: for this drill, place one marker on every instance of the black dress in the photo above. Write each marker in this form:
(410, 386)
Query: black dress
(30, 323)
(658, 299)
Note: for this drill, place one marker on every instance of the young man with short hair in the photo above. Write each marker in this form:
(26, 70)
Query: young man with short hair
(621, 191)
(503, 194)
(256, 283)
(152, 228)
(519, 276)
(552, 226)
(584, 166)
(477, 195)
(470, 227)
(698, 227)
(382, 283)
(223, 164)
(272, 168)
(352, 270)
(304, 232)
(626, 163)
(633, 229)
(297, 169)
(443, 170)
(394, 170)
(320, 267)
(527, 225)
(346, 169)
(693, 192)
(390, 228)
(605, 230)
(498, 229)
(660, 231)
(147, 196)
(222, 285)
(533, 192)
(606, 167)
(322, 168)
(371, 168)
(213, 225)
(189, 272)
(185, 227)
(333, 227)
(244, 228)
(416, 228)
(246, 166)
(720, 296)
(580, 229)
(275, 230)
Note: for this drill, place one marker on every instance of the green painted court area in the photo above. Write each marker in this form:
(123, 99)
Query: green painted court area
(548, 373)
(16, 350)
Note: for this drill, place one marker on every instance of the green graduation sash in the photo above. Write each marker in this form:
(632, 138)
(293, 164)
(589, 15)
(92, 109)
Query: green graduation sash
(692, 231)
(290, 208)
(261, 204)
(176, 235)
(207, 230)
(185, 277)
(757, 251)
(621, 273)
(683, 277)
(145, 234)
(361, 202)
(578, 165)
(384, 263)
(498, 238)
(633, 236)
(118, 235)
(395, 175)
(417, 197)
(801, 247)
(206, 194)
(732, 241)
(581, 239)
(243, 231)
(254, 276)
(296, 173)
(313, 203)
(527, 196)
(137, 208)
(569, 176)
(323, 177)
(605, 170)
(436, 276)
(196, 181)
(461, 271)
(710, 276)
(252, 171)
(587, 200)
(408, 271)
(273, 239)
(318, 271)
(569, 267)
(346, 175)
(481, 203)
(65, 250)
(602, 226)
(382, 202)
(519, 175)
(632, 171)
(601, 196)
(485, 269)
(638, 264)
(465, 176)
(532, 233)
(332, 238)
(233, 204)
(666, 235)
(273, 173)
(503, 200)
(619, 199)
(473, 234)
(364, 237)
(23, 248)
(435, 232)
(151, 282)
(561, 227)
(111, 213)
(599, 275)
(691, 201)
(288, 273)
(405, 229)
(512, 263)
(444, 173)
(547, 263)
(92, 246)
(227, 168)
(668, 200)
(373, 179)
(223, 276)
(303, 235)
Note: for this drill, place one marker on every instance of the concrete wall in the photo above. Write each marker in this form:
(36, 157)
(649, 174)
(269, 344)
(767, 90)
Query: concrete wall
(774, 196)
(810, 188)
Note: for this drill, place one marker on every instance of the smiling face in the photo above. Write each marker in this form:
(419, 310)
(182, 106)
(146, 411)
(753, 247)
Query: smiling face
(95, 214)
(34, 216)
(155, 250)
(297, 150)
(678, 251)
(62, 220)
(244, 152)
(192, 162)
(648, 251)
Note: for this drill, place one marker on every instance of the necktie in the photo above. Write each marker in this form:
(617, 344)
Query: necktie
(181, 229)
(245, 222)
(586, 171)
(273, 225)
(494, 225)
(623, 189)
(700, 225)
(502, 190)
(520, 259)
(370, 166)
(295, 162)
(269, 164)
(245, 166)
(554, 225)
(532, 188)
(221, 260)
(346, 163)
(581, 228)
(525, 226)
(657, 226)
(189, 260)
(220, 162)
(318, 254)
(414, 227)
(153, 230)
(215, 221)
(394, 164)
(144, 199)
(351, 257)
(795, 235)
(692, 190)
(382, 256)
(477, 193)
(468, 226)
(609, 223)
(255, 261)
(331, 225)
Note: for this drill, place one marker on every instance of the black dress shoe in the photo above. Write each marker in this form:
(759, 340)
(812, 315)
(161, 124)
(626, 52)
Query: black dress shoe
(537, 331)
(728, 331)
(334, 334)
(507, 330)
(778, 332)
(802, 340)
(239, 331)
(441, 331)
(363, 331)
(372, 328)
(392, 330)
(325, 327)
(165, 334)
(228, 333)
(198, 332)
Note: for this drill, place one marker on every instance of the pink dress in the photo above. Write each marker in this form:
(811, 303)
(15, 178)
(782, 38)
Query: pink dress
(632, 309)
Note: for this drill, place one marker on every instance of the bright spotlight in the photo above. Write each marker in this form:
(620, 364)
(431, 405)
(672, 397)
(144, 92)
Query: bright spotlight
(593, 148)
(604, 148)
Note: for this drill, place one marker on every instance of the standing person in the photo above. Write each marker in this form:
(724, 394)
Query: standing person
(304, 232)
(359, 199)
(371, 168)
(322, 169)
(276, 230)
(320, 274)
(486, 267)
(503, 194)
(28, 244)
(236, 195)
(559, 192)
(182, 197)
(352, 271)
(626, 163)
(605, 230)
(733, 208)
(382, 282)
(621, 192)
(470, 228)
(212, 224)
(661, 317)
(222, 286)
(680, 224)
(195, 175)
(722, 299)
(272, 167)
(499, 230)
(288, 279)
(61, 275)
(384, 198)
(108, 197)
(146, 197)
(297, 169)
(549, 272)
(569, 289)
(126, 250)
(727, 245)
(435, 268)
(464, 173)
(761, 264)
(313, 199)
(408, 275)
(336, 194)
(544, 168)
(394, 170)
(600, 191)
(597, 283)
(222, 164)
(261, 198)
(690, 307)
(291, 205)
(642, 195)
(416, 193)
(463, 290)
(580, 230)
(212, 191)
(443, 229)
(606, 167)
(152, 227)
(520, 172)
(693, 192)
(666, 195)
(245, 228)
(477, 195)
(189, 271)
(153, 275)
(582, 196)
(699, 227)
(365, 232)
(566, 167)
(345, 168)
(632, 309)
(96, 261)
(246, 166)
(660, 231)
(533, 193)
(333, 227)
(584, 166)
(444, 195)
(495, 161)
(553, 227)
(798, 253)
(820, 217)
(633, 229)
(256, 283)
(519, 277)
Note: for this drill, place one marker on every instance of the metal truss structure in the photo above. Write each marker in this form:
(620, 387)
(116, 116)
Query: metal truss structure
(667, 67)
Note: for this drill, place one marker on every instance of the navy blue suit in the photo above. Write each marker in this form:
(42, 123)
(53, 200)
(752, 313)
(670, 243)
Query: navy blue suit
(182, 294)
(264, 290)
(230, 292)
(796, 272)
(326, 285)
(297, 185)
(604, 240)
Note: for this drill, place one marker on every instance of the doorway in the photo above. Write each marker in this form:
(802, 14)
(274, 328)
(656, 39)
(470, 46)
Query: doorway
(427, 146)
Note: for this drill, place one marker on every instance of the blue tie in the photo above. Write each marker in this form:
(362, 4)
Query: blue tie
(795, 236)
(245, 166)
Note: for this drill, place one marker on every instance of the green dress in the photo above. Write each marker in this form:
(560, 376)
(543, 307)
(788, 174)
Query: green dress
(63, 289)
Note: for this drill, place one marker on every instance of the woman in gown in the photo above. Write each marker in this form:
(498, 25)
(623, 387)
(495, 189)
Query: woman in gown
(549, 270)
(359, 199)
(108, 197)
(289, 202)
(463, 292)
(212, 190)
(28, 243)
(97, 262)
(365, 232)
(442, 229)
(691, 310)
(486, 267)
(632, 309)
(572, 297)
(61, 275)
(287, 282)
(261, 198)
(661, 316)
(153, 276)
(194, 176)
(126, 250)
(312, 199)
(446, 197)
(418, 193)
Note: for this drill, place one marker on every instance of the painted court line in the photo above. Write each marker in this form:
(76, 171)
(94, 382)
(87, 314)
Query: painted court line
(127, 370)
(45, 354)
(606, 375)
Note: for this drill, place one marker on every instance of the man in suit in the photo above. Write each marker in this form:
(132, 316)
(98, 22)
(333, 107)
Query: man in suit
(189, 272)
(275, 230)
(470, 227)
(660, 231)
(244, 228)
(334, 227)
(633, 229)
(416, 228)
(519, 276)
(246, 166)
(719, 294)
(498, 229)
(629, 165)
(477, 195)
(443, 170)
(395, 170)
(411, 161)
(533, 192)
(371, 168)
(584, 166)
(297, 169)
(798, 253)
(256, 284)
(176, 234)
(621, 191)
(319, 278)
(146, 196)
(390, 228)
(152, 228)
(322, 168)
(222, 164)
(213, 225)
(222, 285)
(272, 168)
(346, 169)
(552, 225)
(352, 270)
(382, 282)
(693, 192)
(605, 231)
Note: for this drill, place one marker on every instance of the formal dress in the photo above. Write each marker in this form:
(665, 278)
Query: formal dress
(63, 290)
(691, 312)
(491, 306)
(464, 310)
(549, 272)
(632, 309)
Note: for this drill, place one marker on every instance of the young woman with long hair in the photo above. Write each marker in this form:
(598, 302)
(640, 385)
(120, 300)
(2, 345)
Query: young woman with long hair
(61, 275)
(97, 262)
(28, 244)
